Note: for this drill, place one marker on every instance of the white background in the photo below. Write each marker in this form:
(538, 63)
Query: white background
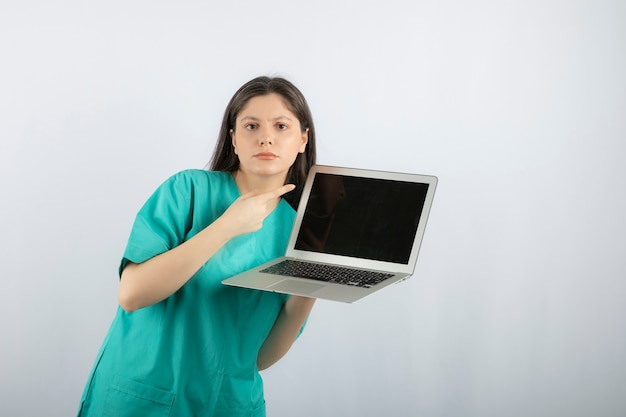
(517, 306)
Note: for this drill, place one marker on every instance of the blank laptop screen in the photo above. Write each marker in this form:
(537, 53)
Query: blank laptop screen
(362, 217)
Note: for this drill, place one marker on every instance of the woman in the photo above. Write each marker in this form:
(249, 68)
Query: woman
(182, 344)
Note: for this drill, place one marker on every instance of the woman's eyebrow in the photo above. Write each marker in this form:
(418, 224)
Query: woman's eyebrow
(256, 119)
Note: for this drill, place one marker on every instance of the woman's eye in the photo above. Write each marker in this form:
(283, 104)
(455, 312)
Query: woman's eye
(250, 126)
(282, 126)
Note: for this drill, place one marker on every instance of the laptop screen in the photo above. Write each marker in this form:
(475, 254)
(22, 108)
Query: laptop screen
(359, 217)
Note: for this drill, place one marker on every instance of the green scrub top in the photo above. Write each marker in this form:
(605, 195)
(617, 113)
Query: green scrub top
(194, 353)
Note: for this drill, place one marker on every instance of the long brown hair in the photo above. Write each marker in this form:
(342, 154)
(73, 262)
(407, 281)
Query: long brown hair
(224, 157)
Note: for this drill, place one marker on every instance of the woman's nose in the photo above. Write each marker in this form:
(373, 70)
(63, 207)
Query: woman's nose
(265, 137)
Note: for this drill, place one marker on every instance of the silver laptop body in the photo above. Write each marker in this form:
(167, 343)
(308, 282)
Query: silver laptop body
(349, 219)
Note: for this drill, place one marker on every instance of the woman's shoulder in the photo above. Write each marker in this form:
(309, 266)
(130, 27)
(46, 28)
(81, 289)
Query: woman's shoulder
(200, 185)
(201, 174)
(194, 177)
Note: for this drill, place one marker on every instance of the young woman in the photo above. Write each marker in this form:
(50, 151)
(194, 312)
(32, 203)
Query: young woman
(183, 344)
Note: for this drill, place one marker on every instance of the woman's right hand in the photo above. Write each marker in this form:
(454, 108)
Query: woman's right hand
(247, 213)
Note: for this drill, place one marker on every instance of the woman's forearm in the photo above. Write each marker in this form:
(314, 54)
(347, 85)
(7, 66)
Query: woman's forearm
(157, 278)
(285, 330)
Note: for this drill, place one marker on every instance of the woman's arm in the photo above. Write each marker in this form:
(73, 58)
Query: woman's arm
(157, 278)
(284, 331)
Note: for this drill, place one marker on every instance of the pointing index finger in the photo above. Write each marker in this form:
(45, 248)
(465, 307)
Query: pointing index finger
(281, 190)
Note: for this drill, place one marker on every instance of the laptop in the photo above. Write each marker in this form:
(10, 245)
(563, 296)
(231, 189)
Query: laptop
(356, 232)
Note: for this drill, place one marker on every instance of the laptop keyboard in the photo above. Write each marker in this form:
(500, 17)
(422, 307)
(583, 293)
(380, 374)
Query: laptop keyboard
(327, 273)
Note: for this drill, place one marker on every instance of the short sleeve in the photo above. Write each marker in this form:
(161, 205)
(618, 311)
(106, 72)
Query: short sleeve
(162, 222)
(306, 320)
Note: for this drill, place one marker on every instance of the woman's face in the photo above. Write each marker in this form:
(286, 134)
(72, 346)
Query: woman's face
(267, 137)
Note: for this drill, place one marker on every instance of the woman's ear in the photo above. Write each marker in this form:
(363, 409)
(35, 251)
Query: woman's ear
(305, 140)
(232, 140)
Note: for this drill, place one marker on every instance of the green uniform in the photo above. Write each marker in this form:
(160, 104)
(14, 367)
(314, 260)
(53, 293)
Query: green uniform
(193, 354)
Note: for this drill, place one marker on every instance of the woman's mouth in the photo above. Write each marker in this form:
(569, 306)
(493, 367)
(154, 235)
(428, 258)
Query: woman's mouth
(266, 155)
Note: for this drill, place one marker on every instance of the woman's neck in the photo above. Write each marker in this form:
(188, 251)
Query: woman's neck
(262, 184)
